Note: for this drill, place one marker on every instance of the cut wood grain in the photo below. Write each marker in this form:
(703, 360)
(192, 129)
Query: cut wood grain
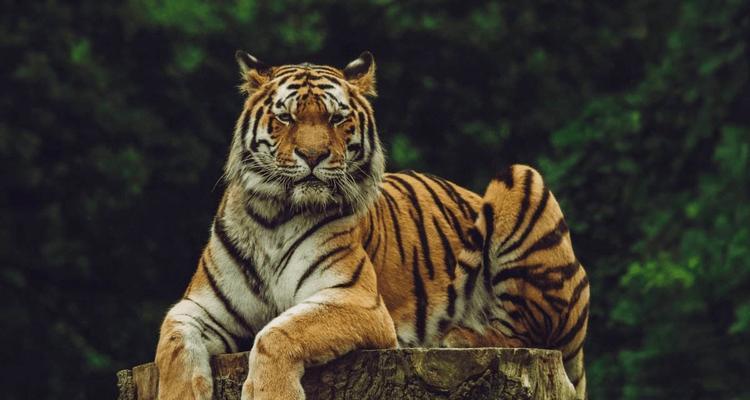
(451, 374)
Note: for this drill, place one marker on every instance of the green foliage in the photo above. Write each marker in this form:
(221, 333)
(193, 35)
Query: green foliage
(116, 117)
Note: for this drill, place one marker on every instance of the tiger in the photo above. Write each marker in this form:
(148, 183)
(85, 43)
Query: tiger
(315, 251)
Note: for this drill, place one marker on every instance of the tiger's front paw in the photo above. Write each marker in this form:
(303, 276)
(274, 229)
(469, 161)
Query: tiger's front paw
(197, 386)
(270, 378)
(184, 373)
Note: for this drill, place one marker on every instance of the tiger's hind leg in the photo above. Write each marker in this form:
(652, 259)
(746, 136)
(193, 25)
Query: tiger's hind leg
(536, 293)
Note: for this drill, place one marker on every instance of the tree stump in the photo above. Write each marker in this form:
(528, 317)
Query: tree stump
(414, 374)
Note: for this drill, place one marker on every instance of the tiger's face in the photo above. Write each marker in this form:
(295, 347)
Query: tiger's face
(306, 136)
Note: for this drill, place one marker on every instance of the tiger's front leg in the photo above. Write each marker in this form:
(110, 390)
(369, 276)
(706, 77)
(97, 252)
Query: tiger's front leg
(197, 327)
(182, 358)
(330, 323)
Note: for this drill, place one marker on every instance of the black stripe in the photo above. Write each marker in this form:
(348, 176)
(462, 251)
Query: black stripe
(362, 172)
(471, 278)
(362, 126)
(224, 300)
(264, 141)
(575, 329)
(285, 70)
(370, 124)
(328, 77)
(448, 258)
(334, 262)
(547, 241)
(202, 326)
(269, 100)
(465, 267)
(516, 315)
(364, 123)
(355, 148)
(575, 296)
(532, 223)
(467, 211)
(383, 231)
(571, 355)
(246, 156)
(420, 296)
(214, 321)
(547, 321)
(489, 220)
(522, 336)
(256, 122)
(338, 234)
(544, 280)
(476, 240)
(374, 253)
(438, 202)
(371, 133)
(284, 261)
(521, 272)
(525, 202)
(245, 122)
(557, 303)
(523, 312)
(314, 266)
(451, 309)
(505, 176)
(578, 290)
(463, 205)
(459, 230)
(443, 325)
(252, 278)
(419, 224)
(325, 68)
(355, 276)
(284, 216)
(284, 79)
(391, 202)
(370, 231)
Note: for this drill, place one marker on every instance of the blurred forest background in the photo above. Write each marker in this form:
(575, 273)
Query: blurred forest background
(117, 115)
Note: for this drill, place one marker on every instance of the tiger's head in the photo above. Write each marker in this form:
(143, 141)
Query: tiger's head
(306, 137)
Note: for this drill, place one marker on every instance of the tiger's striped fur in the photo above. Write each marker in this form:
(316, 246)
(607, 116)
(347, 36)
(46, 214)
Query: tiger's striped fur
(315, 252)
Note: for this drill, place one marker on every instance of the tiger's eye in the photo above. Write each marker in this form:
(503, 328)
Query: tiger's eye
(336, 118)
(284, 117)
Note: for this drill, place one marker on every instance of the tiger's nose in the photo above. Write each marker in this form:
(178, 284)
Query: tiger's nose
(312, 157)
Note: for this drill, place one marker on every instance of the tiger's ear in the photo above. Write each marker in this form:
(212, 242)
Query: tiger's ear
(361, 73)
(254, 72)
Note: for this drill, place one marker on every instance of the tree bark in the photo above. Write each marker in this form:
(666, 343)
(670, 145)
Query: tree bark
(414, 374)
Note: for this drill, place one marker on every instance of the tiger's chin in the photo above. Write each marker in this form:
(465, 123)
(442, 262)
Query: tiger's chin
(314, 196)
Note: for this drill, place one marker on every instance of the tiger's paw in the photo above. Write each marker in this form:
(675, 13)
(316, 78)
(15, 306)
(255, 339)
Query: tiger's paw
(183, 374)
(195, 385)
(272, 379)
(272, 390)
(265, 385)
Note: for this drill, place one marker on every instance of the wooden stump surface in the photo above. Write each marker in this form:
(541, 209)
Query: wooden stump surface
(477, 374)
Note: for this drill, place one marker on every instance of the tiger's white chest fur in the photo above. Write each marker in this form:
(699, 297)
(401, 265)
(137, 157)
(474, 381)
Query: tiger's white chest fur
(279, 256)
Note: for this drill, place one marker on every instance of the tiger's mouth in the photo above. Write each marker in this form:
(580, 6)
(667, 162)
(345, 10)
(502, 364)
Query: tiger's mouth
(310, 179)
